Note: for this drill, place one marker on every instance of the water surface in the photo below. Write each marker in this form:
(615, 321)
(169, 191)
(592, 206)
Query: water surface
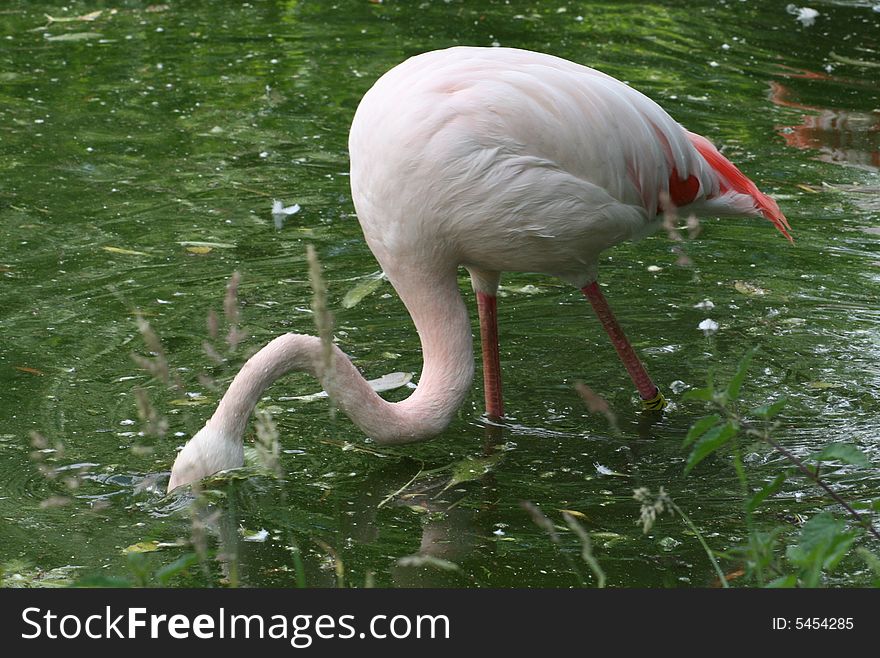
(141, 153)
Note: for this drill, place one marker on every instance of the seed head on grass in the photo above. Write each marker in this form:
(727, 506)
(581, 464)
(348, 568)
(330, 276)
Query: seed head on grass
(157, 364)
(323, 317)
(544, 523)
(673, 231)
(540, 519)
(268, 446)
(652, 507)
(586, 548)
(41, 448)
(596, 404)
(230, 311)
(154, 423)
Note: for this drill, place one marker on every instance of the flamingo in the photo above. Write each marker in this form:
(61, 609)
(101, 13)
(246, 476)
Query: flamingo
(495, 159)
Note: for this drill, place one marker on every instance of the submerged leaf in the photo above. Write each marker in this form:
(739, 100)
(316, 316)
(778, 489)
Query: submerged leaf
(821, 386)
(470, 469)
(124, 252)
(74, 36)
(212, 245)
(193, 401)
(30, 371)
(17, 574)
(91, 16)
(364, 287)
(853, 62)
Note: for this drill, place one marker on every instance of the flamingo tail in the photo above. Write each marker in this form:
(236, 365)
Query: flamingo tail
(733, 180)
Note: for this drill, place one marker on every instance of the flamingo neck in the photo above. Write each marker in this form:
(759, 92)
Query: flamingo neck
(441, 319)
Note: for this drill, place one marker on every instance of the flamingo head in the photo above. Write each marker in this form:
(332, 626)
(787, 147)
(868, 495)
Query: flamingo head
(208, 452)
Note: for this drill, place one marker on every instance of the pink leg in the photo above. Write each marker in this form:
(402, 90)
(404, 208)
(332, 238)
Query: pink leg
(487, 307)
(651, 396)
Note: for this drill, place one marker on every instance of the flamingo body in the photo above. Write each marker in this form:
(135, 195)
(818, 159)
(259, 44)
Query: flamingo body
(494, 159)
(510, 160)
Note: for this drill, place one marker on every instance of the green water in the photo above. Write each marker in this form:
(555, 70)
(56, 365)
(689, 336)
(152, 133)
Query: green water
(153, 126)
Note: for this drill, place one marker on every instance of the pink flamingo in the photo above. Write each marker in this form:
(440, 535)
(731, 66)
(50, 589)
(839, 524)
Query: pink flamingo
(495, 159)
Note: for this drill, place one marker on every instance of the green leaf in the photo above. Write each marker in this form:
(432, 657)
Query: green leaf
(765, 492)
(783, 582)
(843, 452)
(736, 383)
(872, 561)
(709, 443)
(823, 543)
(769, 410)
(699, 428)
(179, 565)
(103, 581)
(703, 394)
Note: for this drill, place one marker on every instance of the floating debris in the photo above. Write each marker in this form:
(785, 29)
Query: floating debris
(142, 547)
(384, 383)
(212, 245)
(678, 386)
(124, 252)
(70, 19)
(669, 543)
(806, 15)
(747, 288)
(260, 535)
(604, 470)
(280, 212)
(708, 326)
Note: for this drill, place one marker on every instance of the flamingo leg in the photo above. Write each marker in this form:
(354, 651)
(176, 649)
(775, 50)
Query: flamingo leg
(487, 308)
(652, 398)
